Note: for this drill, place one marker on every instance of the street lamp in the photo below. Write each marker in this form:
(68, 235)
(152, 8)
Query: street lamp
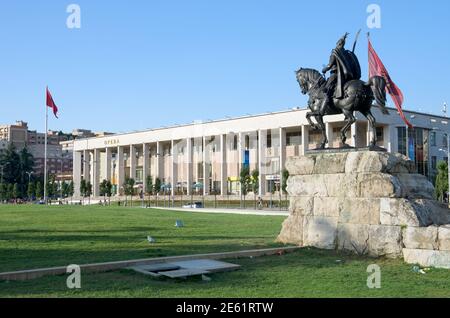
(29, 175)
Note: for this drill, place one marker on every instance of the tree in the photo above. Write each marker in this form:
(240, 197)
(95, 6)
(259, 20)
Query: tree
(149, 186)
(49, 188)
(3, 191)
(157, 186)
(89, 190)
(26, 164)
(15, 168)
(441, 181)
(102, 188)
(10, 161)
(31, 191)
(71, 189)
(245, 181)
(38, 190)
(83, 188)
(9, 192)
(15, 191)
(255, 183)
(128, 187)
(55, 188)
(64, 189)
(108, 190)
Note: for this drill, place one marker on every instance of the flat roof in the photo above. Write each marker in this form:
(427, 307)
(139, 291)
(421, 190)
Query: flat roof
(293, 109)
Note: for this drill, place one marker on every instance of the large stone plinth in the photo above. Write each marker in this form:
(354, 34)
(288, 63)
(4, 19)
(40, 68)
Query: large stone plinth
(367, 202)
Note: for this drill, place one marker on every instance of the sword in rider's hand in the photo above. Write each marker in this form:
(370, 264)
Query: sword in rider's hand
(356, 40)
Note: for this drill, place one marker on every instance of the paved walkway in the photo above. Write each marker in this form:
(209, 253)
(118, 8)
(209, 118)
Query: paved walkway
(227, 211)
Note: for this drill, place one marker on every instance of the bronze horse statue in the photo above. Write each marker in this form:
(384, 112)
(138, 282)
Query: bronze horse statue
(358, 96)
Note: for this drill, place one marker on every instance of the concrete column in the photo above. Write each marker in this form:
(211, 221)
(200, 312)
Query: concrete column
(96, 174)
(133, 162)
(159, 161)
(282, 152)
(86, 165)
(173, 174)
(108, 167)
(329, 133)
(353, 135)
(189, 165)
(262, 135)
(77, 173)
(204, 165)
(240, 150)
(223, 166)
(120, 169)
(305, 139)
(145, 166)
(392, 134)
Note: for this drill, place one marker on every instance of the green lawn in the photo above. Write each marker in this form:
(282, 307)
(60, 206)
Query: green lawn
(306, 273)
(38, 236)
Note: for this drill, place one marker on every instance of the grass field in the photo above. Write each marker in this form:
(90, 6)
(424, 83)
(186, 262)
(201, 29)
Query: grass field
(33, 237)
(37, 236)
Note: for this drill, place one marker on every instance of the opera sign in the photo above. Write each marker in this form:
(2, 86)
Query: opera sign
(112, 142)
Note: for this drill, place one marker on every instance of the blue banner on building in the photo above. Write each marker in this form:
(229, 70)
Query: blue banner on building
(411, 149)
(246, 158)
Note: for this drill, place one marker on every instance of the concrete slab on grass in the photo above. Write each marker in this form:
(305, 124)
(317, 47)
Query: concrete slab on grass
(185, 268)
(183, 273)
(209, 265)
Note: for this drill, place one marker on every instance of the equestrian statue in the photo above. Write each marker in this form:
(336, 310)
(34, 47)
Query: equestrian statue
(342, 93)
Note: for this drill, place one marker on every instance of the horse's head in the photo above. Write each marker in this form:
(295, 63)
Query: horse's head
(302, 80)
(308, 78)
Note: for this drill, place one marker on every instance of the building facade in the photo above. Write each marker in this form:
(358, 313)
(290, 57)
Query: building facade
(58, 163)
(59, 147)
(207, 157)
(16, 133)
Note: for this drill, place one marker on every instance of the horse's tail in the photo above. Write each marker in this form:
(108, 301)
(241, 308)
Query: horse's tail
(378, 86)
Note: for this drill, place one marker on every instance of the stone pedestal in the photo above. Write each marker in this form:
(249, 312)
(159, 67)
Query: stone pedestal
(367, 202)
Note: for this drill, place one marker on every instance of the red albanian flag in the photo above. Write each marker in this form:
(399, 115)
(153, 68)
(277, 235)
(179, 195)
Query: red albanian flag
(51, 103)
(376, 67)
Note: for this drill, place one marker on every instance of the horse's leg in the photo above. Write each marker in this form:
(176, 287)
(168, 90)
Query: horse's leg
(308, 117)
(350, 120)
(323, 102)
(319, 119)
(373, 123)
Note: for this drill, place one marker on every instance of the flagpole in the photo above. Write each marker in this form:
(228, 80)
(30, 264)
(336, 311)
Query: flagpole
(45, 154)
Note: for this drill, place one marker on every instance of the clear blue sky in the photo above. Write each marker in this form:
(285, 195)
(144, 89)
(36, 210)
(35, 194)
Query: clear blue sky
(140, 64)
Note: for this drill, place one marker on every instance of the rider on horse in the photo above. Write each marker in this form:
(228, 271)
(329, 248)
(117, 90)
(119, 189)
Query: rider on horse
(344, 67)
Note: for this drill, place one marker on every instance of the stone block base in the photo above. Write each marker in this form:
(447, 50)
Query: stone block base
(427, 258)
(366, 202)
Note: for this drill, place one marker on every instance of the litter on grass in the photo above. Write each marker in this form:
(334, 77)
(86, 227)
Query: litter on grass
(417, 269)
